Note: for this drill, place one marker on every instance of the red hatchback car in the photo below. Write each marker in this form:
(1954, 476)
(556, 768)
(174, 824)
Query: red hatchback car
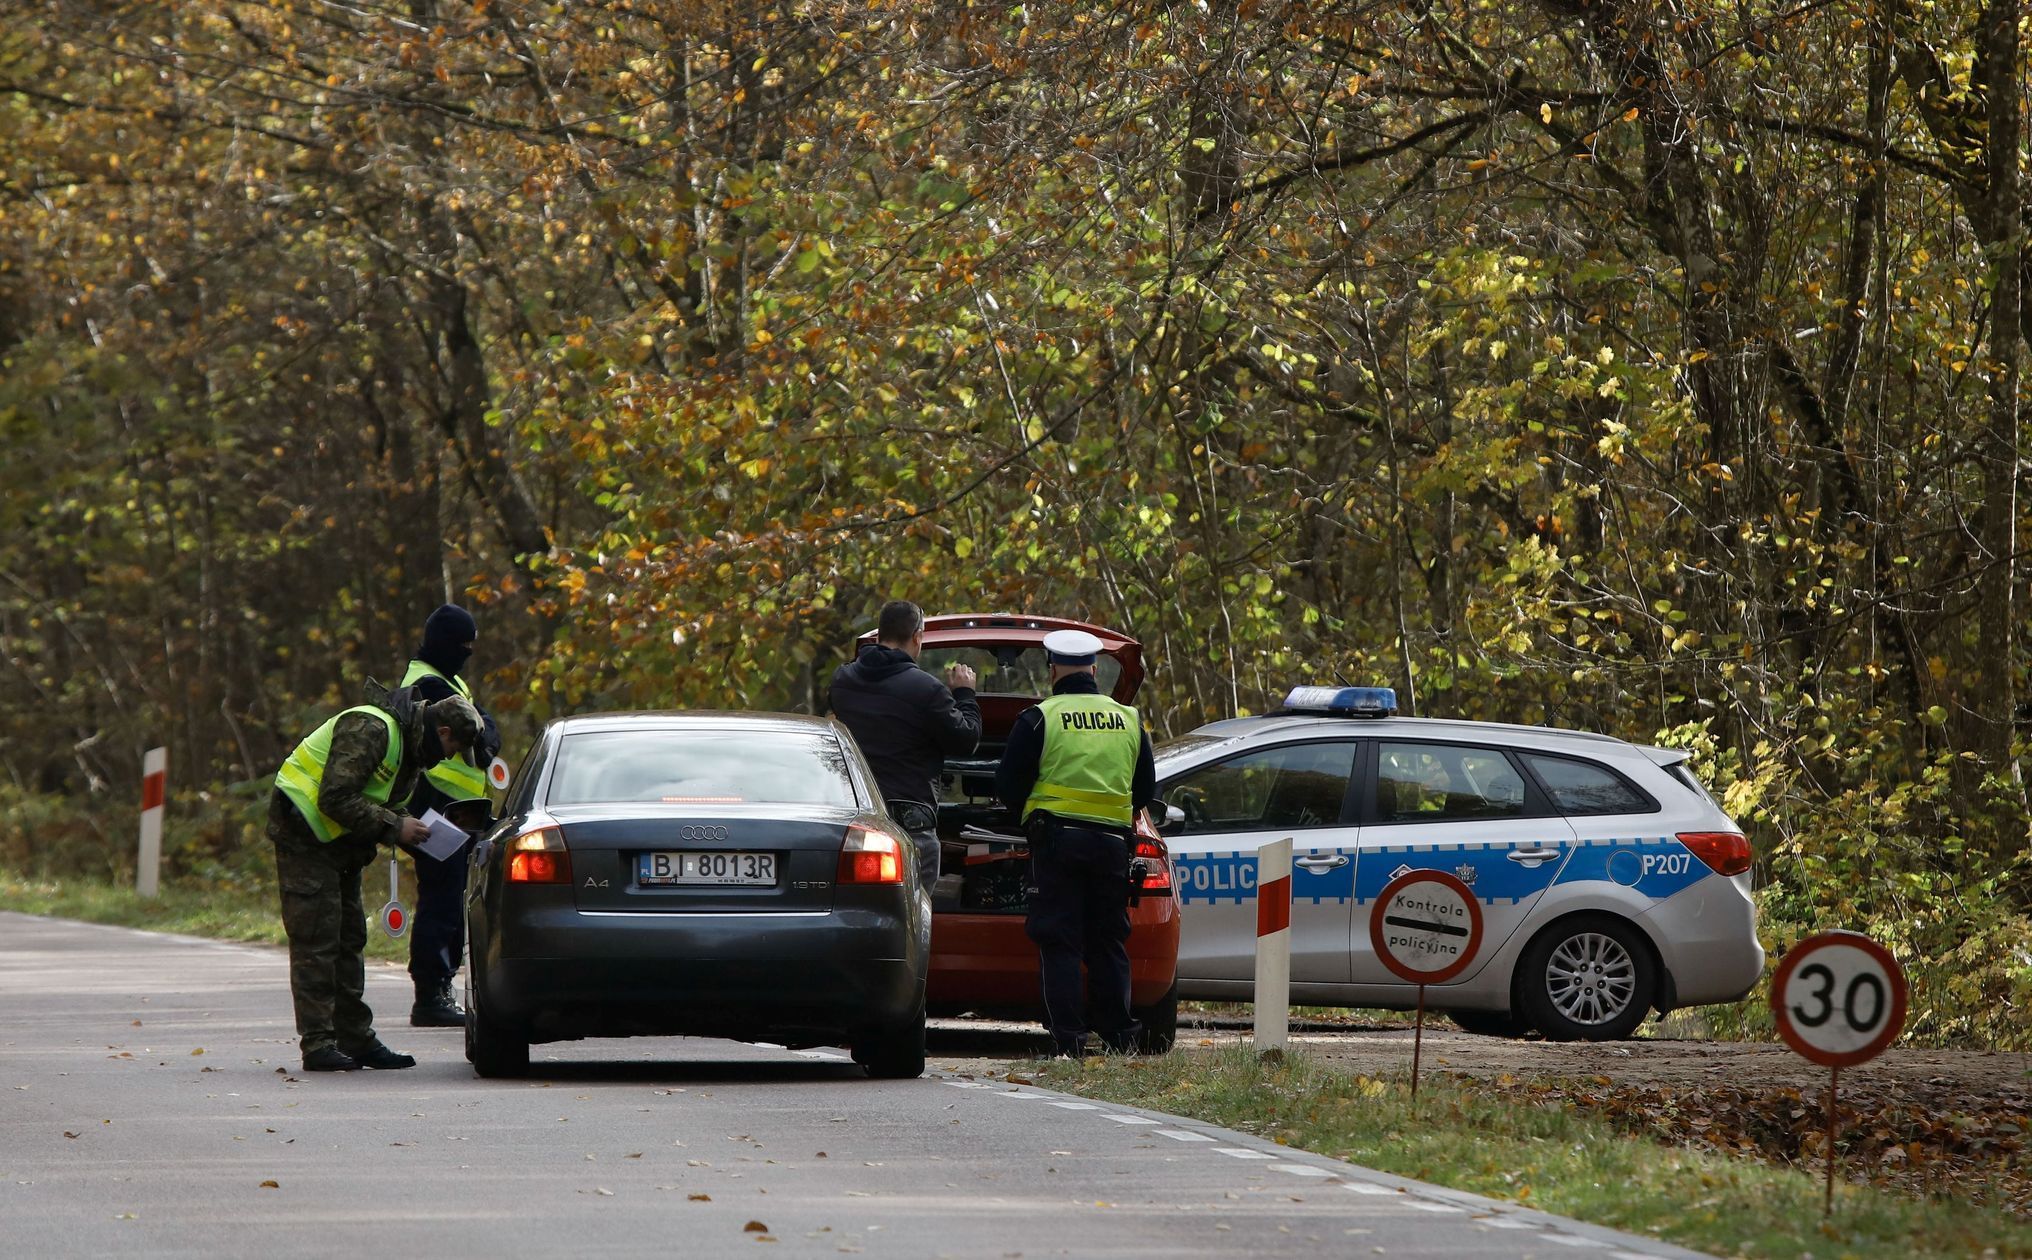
(981, 961)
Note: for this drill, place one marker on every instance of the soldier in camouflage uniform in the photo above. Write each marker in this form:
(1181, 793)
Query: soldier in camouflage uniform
(336, 799)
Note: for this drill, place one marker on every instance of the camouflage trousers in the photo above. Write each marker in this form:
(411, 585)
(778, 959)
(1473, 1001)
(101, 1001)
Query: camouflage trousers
(327, 928)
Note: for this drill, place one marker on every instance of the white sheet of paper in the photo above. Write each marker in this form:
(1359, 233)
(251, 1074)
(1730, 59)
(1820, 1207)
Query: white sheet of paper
(445, 836)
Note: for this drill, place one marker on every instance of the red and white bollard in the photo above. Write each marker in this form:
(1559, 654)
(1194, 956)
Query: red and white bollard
(1273, 945)
(154, 785)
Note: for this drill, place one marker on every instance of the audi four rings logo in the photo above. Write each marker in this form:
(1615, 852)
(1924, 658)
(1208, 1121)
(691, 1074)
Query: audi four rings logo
(702, 833)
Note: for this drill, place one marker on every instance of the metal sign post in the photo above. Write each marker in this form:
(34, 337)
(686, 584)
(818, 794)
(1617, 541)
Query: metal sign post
(1839, 1000)
(1425, 926)
(1272, 994)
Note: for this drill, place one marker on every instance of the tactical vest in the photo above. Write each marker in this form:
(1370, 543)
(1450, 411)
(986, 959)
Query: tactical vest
(1089, 760)
(457, 777)
(304, 770)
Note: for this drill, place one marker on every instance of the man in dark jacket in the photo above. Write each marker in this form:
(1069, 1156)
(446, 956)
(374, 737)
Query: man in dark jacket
(337, 797)
(457, 788)
(905, 720)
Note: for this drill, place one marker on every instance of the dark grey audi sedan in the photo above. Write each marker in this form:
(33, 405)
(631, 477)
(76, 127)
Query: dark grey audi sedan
(696, 874)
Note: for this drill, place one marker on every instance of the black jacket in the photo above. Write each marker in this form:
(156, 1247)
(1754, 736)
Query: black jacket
(1018, 772)
(904, 719)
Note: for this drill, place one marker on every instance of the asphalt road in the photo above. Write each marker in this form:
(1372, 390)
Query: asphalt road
(151, 1104)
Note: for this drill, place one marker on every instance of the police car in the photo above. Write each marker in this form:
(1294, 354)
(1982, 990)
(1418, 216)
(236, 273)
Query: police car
(1611, 884)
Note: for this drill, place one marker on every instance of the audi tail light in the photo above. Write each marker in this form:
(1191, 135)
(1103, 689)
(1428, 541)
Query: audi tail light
(538, 856)
(871, 857)
(1725, 852)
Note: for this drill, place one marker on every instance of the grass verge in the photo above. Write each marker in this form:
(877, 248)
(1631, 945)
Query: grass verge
(1546, 1156)
(224, 913)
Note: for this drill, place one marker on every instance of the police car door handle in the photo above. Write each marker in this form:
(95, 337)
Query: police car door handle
(1532, 856)
(1317, 865)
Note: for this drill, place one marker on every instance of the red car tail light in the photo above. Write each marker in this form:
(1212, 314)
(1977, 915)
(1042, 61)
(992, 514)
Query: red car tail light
(1156, 865)
(1725, 852)
(871, 857)
(539, 857)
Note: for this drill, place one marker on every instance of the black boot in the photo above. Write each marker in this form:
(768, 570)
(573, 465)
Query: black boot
(329, 1059)
(435, 1007)
(380, 1056)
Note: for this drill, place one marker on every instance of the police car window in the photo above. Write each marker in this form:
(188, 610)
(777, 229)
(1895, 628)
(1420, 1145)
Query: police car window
(1445, 783)
(1582, 787)
(1295, 785)
(1011, 669)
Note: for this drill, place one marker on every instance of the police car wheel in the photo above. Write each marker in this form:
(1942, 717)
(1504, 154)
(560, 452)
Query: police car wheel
(1588, 978)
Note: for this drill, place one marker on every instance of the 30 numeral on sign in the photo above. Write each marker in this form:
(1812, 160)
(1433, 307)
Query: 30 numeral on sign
(1861, 1023)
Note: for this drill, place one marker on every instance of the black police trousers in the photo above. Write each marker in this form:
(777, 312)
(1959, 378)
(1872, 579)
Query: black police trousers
(437, 932)
(1079, 914)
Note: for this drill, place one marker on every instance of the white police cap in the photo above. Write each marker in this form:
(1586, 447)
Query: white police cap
(1071, 647)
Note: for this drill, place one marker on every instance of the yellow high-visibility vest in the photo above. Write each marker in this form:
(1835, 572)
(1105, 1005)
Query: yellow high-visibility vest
(303, 771)
(457, 777)
(1088, 765)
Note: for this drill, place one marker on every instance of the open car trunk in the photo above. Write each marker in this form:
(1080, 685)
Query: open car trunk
(984, 854)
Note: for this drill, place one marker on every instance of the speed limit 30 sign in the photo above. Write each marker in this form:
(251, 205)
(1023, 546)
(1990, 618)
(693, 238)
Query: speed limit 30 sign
(1839, 998)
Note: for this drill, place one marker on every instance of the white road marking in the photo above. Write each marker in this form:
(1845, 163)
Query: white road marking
(1504, 1222)
(1132, 1120)
(818, 1054)
(1243, 1152)
(1423, 1206)
(1073, 1106)
(1363, 1187)
(1301, 1170)
(1183, 1135)
(969, 1085)
(1568, 1240)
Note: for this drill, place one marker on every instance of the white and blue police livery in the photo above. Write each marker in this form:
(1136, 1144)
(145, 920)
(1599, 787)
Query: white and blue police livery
(1611, 884)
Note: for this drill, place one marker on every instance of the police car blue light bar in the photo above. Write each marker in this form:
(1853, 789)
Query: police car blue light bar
(1362, 702)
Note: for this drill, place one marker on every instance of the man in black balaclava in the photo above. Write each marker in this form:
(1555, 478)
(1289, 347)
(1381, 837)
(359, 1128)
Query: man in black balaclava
(457, 788)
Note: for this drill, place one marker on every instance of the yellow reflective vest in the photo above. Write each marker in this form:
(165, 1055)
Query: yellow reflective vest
(1088, 765)
(457, 777)
(303, 771)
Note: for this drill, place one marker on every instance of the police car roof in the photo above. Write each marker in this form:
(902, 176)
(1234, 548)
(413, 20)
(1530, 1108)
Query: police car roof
(1463, 728)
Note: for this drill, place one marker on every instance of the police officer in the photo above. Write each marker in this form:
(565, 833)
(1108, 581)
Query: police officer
(457, 788)
(1077, 767)
(336, 798)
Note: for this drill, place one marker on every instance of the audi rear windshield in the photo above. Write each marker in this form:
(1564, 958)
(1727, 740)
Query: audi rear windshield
(702, 767)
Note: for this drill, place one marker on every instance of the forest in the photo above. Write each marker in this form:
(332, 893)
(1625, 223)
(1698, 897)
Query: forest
(1646, 366)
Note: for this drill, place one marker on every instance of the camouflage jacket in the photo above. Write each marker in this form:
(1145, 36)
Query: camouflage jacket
(358, 744)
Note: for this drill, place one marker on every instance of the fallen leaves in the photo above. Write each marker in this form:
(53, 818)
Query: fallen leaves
(271, 1185)
(1914, 1144)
